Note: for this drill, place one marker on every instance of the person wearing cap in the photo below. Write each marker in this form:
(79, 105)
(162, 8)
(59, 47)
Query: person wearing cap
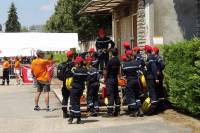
(6, 67)
(68, 74)
(102, 46)
(160, 90)
(40, 73)
(139, 57)
(126, 45)
(92, 54)
(131, 69)
(92, 87)
(152, 78)
(111, 79)
(78, 86)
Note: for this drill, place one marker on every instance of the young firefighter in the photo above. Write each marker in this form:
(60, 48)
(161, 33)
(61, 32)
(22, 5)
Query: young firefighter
(66, 91)
(103, 49)
(160, 90)
(78, 86)
(111, 79)
(138, 56)
(131, 70)
(92, 55)
(126, 46)
(92, 88)
(152, 78)
(40, 72)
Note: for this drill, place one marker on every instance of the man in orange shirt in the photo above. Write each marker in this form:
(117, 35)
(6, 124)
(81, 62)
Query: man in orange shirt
(40, 73)
(17, 70)
(6, 66)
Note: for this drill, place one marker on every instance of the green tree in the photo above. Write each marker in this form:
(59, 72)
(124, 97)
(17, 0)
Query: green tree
(12, 24)
(24, 29)
(67, 19)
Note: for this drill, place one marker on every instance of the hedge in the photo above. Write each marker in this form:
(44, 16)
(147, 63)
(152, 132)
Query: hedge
(182, 75)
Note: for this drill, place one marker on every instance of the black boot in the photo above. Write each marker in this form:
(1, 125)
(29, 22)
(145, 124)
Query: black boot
(140, 112)
(8, 82)
(65, 114)
(116, 113)
(3, 83)
(93, 112)
(133, 114)
(70, 119)
(79, 121)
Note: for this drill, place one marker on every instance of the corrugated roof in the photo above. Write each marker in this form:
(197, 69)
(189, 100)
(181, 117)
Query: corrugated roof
(97, 6)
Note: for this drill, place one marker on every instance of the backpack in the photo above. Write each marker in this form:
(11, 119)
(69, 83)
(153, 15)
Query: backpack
(61, 69)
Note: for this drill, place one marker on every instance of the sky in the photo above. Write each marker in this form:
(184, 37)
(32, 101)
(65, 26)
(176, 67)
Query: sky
(30, 12)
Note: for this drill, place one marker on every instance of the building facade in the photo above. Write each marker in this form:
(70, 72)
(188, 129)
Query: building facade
(149, 21)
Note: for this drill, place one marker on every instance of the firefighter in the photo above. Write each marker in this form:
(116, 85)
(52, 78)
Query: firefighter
(92, 87)
(160, 90)
(139, 57)
(152, 78)
(6, 67)
(111, 80)
(102, 46)
(92, 54)
(78, 86)
(126, 46)
(140, 60)
(68, 74)
(131, 69)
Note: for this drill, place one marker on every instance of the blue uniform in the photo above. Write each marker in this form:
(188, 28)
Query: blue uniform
(93, 89)
(132, 92)
(112, 70)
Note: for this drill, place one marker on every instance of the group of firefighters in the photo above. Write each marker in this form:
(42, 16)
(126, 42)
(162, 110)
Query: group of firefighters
(96, 64)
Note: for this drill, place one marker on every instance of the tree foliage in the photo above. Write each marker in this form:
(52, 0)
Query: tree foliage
(66, 19)
(12, 24)
(182, 75)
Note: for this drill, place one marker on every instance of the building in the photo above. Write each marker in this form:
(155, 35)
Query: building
(149, 21)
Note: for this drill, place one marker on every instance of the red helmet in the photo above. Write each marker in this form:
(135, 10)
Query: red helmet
(137, 49)
(123, 57)
(129, 52)
(101, 32)
(126, 44)
(89, 59)
(156, 50)
(69, 53)
(148, 48)
(91, 50)
(78, 59)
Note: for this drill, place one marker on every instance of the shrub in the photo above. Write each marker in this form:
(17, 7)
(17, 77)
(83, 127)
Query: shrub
(182, 74)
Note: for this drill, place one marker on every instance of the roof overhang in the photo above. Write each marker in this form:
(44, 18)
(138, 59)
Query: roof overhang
(100, 6)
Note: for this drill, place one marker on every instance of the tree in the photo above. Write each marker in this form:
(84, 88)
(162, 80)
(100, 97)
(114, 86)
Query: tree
(67, 19)
(12, 24)
(24, 29)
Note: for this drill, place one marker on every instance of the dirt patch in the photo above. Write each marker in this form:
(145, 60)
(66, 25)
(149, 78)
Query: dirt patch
(174, 116)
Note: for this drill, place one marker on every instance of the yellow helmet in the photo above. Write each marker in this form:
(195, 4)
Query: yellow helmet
(143, 81)
(146, 104)
(69, 83)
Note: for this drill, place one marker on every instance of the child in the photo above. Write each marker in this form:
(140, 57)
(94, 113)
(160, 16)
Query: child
(92, 87)
(78, 85)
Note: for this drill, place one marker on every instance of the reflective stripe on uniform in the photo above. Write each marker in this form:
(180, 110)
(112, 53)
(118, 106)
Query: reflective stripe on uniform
(110, 107)
(80, 74)
(132, 104)
(75, 111)
(125, 68)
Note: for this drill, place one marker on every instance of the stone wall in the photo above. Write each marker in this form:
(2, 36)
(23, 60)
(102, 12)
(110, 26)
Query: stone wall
(141, 23)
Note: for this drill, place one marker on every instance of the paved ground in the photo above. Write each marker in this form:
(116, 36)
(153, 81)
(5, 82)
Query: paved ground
(17, 116)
